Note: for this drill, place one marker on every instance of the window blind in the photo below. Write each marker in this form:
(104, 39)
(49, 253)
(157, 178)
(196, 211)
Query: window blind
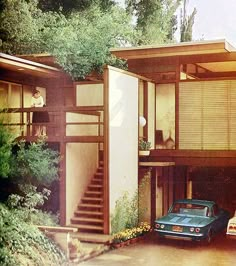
(207, 115)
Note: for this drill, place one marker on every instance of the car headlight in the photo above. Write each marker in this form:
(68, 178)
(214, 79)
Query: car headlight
(162, 226)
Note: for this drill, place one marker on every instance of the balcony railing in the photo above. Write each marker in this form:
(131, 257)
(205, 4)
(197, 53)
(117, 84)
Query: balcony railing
(72, 124)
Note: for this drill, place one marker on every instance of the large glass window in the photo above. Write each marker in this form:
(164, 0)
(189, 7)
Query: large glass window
(10, 95)
(165, 116)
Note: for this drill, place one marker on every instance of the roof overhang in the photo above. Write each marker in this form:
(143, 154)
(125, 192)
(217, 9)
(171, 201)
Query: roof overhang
(180, 49)
(27, 67)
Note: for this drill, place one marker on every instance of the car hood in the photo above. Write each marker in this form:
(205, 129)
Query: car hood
(184, 220)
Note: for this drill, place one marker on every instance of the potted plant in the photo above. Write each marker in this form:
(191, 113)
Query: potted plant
(144, 147)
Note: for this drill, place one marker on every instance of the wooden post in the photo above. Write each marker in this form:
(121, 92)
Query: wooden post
(189, 186)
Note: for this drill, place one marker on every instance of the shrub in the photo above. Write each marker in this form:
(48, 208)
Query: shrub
(26, 206)
(35, 163)
(128, 210)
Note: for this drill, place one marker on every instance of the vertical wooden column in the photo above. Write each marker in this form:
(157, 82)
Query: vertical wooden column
(106, 212)
(145, 109)
(189, 185)
(153, 193)
(177, 73)
(62, 170)
(28, 124)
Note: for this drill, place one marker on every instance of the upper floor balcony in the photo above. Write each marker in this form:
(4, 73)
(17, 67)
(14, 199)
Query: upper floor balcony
(66, 124)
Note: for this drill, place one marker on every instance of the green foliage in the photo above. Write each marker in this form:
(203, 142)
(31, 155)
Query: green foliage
(186, 23)
(35, 164)
(144, 145)
(6, 143)
(26, 206)
(156, 19)
(23, 244)
(128, 209)
(19, 26)
(68, 6)
(83, 44)
(80, 42)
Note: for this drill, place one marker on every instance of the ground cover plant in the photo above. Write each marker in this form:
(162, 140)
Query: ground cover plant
(21, 243)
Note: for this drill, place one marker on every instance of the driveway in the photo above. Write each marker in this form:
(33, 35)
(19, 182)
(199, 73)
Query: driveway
(153, 252)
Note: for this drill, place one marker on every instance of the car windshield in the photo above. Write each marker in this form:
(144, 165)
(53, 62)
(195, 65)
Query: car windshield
(190, 209)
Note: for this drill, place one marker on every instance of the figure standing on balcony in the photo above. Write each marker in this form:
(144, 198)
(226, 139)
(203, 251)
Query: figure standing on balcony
(39, 117)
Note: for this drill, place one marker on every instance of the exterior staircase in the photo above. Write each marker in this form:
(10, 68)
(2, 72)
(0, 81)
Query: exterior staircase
(89, 214)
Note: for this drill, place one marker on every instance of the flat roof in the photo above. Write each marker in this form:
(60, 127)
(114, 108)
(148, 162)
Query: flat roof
(174, 49)
(28, 67)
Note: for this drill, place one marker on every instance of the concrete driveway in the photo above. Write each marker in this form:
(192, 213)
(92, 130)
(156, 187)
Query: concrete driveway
(153, 252)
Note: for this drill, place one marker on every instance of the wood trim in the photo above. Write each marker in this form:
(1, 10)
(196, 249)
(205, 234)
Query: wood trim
(145, 109)
(153, 193)
(172, 50)
(94, 110)
(106, 192)
(63, 170)
(221, 57)
(177, 105)
(83, 123)
(62, 197)
(7, 57)
(83, 139)
(193, 153)
(128, 73)
(88, 82)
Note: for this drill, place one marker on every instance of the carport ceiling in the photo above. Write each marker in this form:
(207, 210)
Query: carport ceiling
(219, 66)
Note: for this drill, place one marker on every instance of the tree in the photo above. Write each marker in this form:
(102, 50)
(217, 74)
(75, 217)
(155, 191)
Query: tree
(155, 19)
(68, 6)
(83, 44)
(186, 23)
(80, 42)
(6, 143)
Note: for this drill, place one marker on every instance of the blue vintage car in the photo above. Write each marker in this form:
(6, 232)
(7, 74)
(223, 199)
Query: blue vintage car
(192, 219)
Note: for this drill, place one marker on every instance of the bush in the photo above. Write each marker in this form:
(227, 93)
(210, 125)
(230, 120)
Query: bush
(128, 209)
(26, 206)
(35, 163)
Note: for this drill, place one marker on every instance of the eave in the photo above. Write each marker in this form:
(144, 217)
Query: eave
(180, 49)
(28, 67)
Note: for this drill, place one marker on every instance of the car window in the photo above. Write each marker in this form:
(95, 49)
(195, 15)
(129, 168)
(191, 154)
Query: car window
(190, 209)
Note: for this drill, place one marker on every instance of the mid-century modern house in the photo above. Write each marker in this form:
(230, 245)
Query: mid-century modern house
(186, 93)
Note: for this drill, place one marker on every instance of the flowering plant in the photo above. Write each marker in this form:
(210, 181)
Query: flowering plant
(127, 234)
